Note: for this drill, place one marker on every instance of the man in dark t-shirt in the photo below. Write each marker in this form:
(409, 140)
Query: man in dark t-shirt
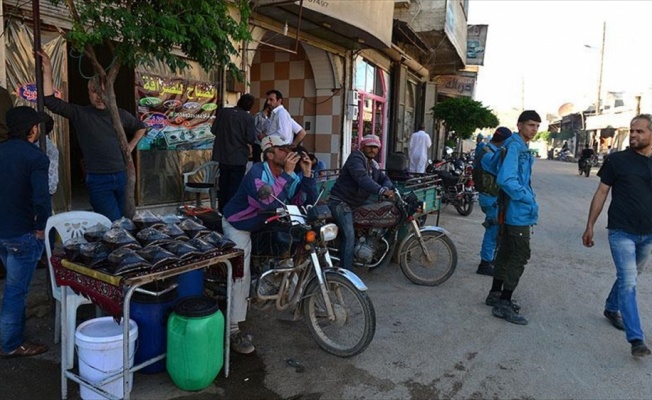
(106, 175)
(629, 224)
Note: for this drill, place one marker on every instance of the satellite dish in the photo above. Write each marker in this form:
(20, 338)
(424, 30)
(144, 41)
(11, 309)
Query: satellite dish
(566, 109)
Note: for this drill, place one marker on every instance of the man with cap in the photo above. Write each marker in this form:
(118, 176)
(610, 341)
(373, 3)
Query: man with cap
(359, 178)
(242, 215)
(479, 144)
(24, 210)
(521, 212)
(485, 183)
(235, 132)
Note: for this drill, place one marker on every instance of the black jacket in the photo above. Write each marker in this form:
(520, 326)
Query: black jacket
(359, 178)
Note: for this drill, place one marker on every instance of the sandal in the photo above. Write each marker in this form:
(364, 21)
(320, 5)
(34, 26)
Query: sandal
(27, 349)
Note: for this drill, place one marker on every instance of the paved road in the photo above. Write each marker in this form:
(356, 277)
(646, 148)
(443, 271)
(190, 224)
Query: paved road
(443, 342)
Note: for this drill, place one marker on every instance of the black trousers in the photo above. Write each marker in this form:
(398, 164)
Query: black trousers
(229, 182)
(513, 255)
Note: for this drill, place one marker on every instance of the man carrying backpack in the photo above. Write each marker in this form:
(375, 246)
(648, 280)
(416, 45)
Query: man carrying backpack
(485, 184)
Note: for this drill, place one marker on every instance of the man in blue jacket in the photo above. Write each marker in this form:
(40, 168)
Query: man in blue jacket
(488, 190)
(521, 213)
(359, 178)
(24, 210)
(242, 215)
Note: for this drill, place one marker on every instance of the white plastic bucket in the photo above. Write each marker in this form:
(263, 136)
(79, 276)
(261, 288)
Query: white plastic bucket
(99, 351)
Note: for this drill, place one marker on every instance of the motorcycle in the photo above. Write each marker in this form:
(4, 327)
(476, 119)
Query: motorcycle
(292, 269)
(426, 255)
(586, 164)
(458, 190)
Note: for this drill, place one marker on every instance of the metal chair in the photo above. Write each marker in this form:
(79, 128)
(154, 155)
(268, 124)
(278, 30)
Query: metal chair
(202, 179)
(68, 225)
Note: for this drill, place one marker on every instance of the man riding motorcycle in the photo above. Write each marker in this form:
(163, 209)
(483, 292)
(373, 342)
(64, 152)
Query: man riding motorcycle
(242, 215)
(359, 178)
(587, 154)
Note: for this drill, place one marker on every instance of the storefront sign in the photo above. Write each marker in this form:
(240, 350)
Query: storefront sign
(476, 42)
(456, 85)
(178, 111)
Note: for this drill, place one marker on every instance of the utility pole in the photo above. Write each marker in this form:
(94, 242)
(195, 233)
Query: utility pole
(597, 100)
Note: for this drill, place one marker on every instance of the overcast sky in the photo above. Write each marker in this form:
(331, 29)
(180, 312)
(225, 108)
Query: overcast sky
(540, 45)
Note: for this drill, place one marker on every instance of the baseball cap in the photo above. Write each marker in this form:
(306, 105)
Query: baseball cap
(370, 140)
(502, 133)
(22, 118)
(271, 141)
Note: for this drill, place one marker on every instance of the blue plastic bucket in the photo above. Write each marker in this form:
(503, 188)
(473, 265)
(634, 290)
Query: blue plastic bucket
(190, 283)
(151, 313)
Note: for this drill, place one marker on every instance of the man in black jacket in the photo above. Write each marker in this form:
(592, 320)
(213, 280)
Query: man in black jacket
(359, 178)
(235, 132)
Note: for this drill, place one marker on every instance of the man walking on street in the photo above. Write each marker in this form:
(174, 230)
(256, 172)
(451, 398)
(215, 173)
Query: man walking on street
(629, 226)
(419, 144)
(281, 123)
(521, 212)
(234, 132)
(24, 210)
(485, 183)
(106, 175)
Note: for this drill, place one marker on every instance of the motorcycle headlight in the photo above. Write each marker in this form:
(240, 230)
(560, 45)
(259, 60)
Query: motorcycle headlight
(328, 232)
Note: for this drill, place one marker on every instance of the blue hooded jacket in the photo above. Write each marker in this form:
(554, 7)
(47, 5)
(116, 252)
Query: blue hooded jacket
(514, 179)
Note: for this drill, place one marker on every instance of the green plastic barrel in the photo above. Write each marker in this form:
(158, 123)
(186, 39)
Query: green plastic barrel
(195, 348)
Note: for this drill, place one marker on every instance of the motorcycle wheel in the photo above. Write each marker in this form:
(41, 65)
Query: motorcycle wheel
(415, 265)
(465, 207)
(587, 171)
(355, 318)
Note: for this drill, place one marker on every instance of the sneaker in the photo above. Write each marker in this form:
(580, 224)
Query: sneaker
(615, 319)
(241, 343)
(494, 296)
(639, 349)
(505, 309)
(485, 268)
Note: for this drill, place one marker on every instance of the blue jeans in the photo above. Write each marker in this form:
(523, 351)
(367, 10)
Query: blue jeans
(629, 252)
(489, 206)
(19, 255)
(343, 216)
(106, 193)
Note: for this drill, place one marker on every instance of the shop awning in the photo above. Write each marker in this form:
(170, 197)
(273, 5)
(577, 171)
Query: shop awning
(340, 22)
(614, 121)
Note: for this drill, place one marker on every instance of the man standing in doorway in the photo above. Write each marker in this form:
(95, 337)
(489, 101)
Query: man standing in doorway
(281, 123)
(521, 212)
(234, 132)
(629, 226)
(485, 183)
(419, 144)
(24, 210)
(106, 174)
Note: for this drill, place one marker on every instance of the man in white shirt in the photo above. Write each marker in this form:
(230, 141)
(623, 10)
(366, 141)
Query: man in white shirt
(281, 123)
(419, 144)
